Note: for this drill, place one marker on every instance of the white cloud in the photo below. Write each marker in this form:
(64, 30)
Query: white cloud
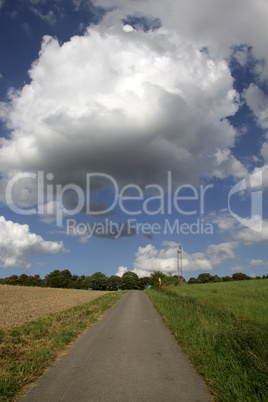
(48, 17)
(218, 25)
(128, 28)
(218, 253)
(252, 274)
(26, 28)
(264, 152)
(248, 236)
(18, 245)
(258, 103)
(255, 263)
(196, 261)
(104, 102)
(232, 229)
(257, 100)
(223, 220)
(237, 268)
(121, 271)
(149, 259)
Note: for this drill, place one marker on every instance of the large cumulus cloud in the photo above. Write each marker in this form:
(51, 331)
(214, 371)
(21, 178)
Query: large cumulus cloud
(132, 104)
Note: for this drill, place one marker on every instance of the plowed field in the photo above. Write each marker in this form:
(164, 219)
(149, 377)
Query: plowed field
(19, 304)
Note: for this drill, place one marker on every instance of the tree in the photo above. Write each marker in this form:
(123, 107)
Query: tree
(217, 278)
(35, 281)
(227, 278)
(180, 279)
(23, 280)
(131, 280)
(205, 278)
(85, 282)
(193, 281)
(12, 280)
(239, 276)
(145, 282)
(115, 283)
(59, 279)
(170, 280)
(98, 281)
(77, 281)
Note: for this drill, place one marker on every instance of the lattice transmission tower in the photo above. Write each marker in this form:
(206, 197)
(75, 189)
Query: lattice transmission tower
(179, 262)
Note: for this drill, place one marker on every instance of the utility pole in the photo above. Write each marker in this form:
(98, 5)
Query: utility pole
(179, 262)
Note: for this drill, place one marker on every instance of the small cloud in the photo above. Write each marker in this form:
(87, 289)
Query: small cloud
(26, 27)
(237, 269)
(223, 220)
(219, 253)
(121, 271)
(248, 236)
(77, 4)
(128, 28)
(82, 28)
(255, 263)
(49, 17)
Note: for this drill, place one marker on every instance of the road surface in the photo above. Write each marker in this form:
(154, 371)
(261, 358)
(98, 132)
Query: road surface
(127, 356)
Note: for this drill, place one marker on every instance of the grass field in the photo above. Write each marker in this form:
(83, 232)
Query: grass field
(223, 328)
(245, 299)
(28, 349)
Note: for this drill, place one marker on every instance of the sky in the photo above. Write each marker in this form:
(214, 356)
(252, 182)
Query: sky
(129, 127)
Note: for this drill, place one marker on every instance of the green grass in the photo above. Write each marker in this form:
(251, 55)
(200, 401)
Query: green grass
(246, 299)
(217, 327)
(28, 349)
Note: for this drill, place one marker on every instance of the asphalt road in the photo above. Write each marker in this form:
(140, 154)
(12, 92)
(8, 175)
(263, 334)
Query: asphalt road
(127, 356)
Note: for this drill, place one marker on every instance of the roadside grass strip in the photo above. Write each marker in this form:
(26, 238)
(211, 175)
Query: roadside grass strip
(229, 350)
(27, 350)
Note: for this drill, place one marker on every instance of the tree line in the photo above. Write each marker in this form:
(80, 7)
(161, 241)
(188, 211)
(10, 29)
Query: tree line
(99, 281)
(65, 280)
(207, 278)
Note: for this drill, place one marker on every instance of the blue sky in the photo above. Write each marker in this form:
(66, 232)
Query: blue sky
(129, 127)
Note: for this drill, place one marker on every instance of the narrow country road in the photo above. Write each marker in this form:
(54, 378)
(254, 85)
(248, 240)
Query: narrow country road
(127, 356)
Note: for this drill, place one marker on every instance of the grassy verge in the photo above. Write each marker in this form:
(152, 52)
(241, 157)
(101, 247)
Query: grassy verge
(246, 299)
(26, 350)
(228, 349)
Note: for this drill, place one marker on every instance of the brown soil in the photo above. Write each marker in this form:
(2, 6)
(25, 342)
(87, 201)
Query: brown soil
(19, 304)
